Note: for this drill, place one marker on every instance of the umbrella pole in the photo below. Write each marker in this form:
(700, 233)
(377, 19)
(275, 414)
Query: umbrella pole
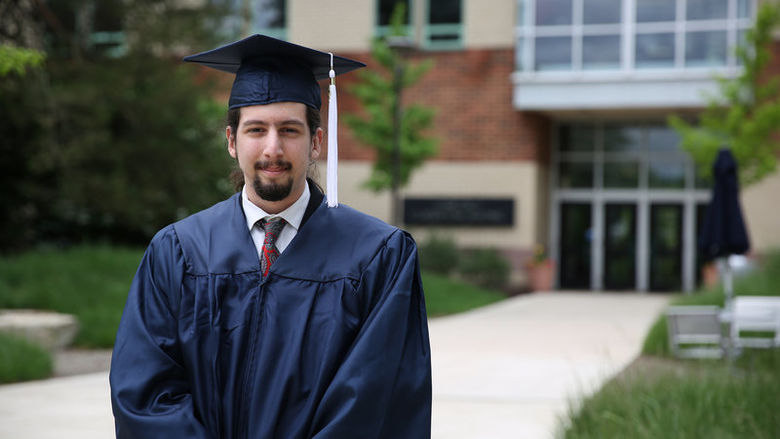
(728, 293)
(728, 282)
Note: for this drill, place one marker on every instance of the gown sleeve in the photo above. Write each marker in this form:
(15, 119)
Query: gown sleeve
(150, 394)
(383, 387)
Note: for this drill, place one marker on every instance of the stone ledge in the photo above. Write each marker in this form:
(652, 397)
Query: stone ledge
(50, 330)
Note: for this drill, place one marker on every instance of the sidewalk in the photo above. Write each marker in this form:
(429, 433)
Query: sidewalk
(511, 370)
(503, 371)
(75, 407)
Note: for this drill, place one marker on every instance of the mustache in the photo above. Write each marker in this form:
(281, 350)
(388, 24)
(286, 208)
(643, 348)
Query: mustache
(260, 165)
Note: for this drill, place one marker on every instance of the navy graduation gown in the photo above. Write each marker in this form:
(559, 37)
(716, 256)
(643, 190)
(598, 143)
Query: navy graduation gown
(332, 344)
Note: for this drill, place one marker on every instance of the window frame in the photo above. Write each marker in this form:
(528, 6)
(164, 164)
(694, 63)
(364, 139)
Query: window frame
(430, 30)
(628, 30)
(383, 30)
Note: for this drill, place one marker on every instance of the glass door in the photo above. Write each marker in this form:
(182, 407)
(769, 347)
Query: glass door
(666, 245)
(619, 246)
(575, 244)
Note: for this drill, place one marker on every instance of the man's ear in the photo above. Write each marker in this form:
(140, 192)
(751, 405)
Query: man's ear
(316, 144)
(231, 140)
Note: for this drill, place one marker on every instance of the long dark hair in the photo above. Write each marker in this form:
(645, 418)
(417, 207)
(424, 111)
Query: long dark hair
(313, 120)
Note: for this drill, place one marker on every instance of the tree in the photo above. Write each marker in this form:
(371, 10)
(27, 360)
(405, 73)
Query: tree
(374, 128)
(24, 141)
(746, 115)
(18, 60)
(114, 137)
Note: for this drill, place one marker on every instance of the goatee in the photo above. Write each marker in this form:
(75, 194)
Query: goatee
(273, 191)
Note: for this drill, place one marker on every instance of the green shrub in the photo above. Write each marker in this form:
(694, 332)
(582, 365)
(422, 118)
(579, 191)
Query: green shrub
(21, 360)
(485, 267)
(439, 254)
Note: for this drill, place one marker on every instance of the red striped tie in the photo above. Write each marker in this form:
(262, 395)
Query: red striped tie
(272, 226)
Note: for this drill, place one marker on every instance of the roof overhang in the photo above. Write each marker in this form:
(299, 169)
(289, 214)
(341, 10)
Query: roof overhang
(563, 91)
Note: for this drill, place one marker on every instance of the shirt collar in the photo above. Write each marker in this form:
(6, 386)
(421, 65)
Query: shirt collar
(293, 214)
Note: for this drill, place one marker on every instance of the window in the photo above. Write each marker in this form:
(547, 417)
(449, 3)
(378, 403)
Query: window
(577, 137)
(621, 174)
(553, 53)
(655, 10)
(575, 175)
(108, 35)
(655, 50)
(687, 33)
(444, 27)
(743, 8)
(439, 22)
(622, 156)
(622, 138)
(553, 12)
(385, 14)
(666, 174)
(706, 9)
(593, 35)
(268, 17)
(706, 48)
(575, 34)
(601, 11)
(601, 52)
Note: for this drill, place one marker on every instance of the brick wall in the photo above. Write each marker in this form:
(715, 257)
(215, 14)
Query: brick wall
(472, 94)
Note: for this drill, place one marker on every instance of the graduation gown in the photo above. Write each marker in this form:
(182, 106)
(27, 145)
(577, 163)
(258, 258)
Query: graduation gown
(332, 344)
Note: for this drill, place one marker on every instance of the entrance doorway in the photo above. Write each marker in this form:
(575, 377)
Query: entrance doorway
(626, 201)
(619, 246)
(666, 247)
(575, 246)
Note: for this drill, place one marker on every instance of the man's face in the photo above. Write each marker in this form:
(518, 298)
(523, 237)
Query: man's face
(274, 147)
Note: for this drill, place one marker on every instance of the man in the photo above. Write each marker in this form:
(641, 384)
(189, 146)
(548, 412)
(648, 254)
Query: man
(271, 314)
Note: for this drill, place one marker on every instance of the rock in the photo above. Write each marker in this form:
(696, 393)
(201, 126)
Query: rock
(50, 330)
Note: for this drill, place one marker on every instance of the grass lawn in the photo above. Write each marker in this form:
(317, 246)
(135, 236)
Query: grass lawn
(446, 296)
(37, 362)
(91, 282)
(662, 397)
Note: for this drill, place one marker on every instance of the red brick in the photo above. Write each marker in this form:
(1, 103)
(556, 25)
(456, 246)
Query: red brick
(471, 92)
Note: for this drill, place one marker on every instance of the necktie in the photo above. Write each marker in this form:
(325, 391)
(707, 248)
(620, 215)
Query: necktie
(272, 227)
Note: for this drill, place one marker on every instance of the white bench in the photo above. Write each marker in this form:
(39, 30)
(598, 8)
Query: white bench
(695, 331)
(752, 314)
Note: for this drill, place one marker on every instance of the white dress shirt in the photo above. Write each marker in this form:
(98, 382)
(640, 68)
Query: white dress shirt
(293, 215)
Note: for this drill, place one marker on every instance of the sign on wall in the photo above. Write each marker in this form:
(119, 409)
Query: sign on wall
(477, 212)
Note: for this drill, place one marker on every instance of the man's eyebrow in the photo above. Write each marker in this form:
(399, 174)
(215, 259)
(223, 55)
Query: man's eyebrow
(263, 122)
(292, 122)
(254, 122)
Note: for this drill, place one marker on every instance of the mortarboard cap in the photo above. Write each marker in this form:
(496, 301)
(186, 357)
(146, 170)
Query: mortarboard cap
(269, 70)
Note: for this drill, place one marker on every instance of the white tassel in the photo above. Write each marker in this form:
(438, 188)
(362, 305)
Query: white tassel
(333, 143)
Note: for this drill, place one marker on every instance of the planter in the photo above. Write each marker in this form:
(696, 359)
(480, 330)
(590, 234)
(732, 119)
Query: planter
(541, 276)
(709, 275)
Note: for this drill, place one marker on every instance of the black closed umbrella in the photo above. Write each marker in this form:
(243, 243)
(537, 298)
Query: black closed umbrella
(723, 232)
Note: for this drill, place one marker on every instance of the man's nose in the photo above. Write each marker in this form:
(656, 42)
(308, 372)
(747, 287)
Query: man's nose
(273, 147)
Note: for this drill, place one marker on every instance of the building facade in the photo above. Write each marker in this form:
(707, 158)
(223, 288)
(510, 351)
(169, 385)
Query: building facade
(551, 120)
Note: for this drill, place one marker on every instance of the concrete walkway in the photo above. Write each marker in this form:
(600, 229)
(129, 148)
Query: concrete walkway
(504, 371)
(512, 369)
